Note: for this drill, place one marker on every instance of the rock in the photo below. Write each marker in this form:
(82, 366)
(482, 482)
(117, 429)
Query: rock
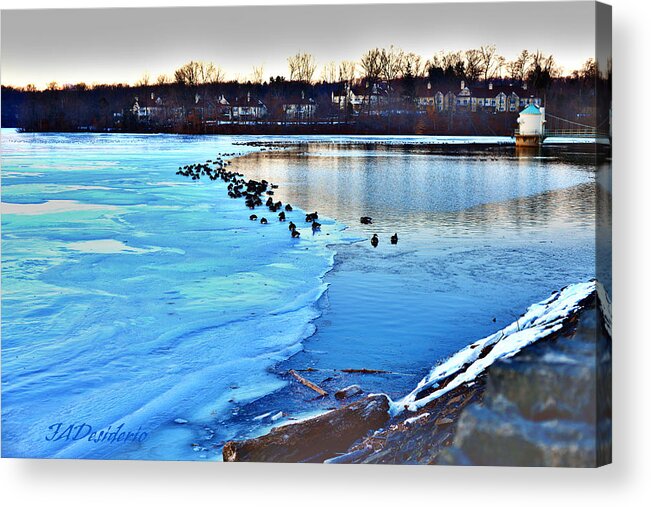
(315, 439)
(416, 438)
(550, 405)
(348, 392)
(350, 457)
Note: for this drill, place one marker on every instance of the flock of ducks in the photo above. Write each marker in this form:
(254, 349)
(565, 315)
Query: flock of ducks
(253, 193)
(375, 241)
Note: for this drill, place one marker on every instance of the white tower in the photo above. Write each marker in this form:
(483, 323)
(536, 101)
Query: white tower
(532, 126)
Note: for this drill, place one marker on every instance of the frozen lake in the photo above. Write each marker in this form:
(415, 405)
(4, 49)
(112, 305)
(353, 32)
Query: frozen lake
(133, 296)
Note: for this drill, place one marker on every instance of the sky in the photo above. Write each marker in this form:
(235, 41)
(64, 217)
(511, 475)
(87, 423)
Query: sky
(120, 45)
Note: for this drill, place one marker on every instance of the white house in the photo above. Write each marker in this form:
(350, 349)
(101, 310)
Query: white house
(247, 108)
(299, 108)
(367, 99)
(152, 109)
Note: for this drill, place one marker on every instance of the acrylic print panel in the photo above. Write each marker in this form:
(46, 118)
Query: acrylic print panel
(387, 242)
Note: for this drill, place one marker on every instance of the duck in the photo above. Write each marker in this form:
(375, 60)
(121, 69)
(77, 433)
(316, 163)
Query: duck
(394, 239)
(292, 226)
(263, 220)
(253, 217)
(288, 207)
(366, 220)
(316, 226)
(281, 216)
(295, 233)
(375, 240)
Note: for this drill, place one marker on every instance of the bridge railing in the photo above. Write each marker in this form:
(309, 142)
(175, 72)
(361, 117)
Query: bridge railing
(583, 132)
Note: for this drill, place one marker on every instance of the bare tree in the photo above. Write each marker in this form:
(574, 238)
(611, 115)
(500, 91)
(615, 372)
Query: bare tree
(144, 80)
(197, 73)
(162, 79)
(415, 64)
(210, 74)
(589, 70)
(490, 61)
(302, 67)
(371, 64)
(554, 70)
(434, 61)
(329, 73)
(524, 62)
(500, 65)
(392, 63)
(519, 67)
(451, 59)
(474, 67)
(542, 70)
(187, 74)
(53, 86)
(258, 74)
(347, 71)
(512, 69)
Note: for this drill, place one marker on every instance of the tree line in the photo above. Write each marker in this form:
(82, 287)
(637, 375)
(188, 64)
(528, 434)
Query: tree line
(199, 84)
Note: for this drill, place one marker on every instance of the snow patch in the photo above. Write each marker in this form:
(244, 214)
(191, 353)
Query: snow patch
(55, 206)
(540, 320)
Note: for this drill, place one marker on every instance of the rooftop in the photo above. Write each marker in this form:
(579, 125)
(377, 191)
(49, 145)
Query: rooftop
(531, 109)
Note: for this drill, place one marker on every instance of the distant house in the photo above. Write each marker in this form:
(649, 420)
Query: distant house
(148, 110)
(348, 99)
(504, 98)
(247, 108)
(463, 99)
(485, 97)
(368, 98)
(299, 108)
(426, 97)
(449, 101)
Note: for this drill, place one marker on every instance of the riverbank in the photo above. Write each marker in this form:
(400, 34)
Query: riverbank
(554, 340)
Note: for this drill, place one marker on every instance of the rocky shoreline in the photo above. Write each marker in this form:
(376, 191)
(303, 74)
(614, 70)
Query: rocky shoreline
(547, 405)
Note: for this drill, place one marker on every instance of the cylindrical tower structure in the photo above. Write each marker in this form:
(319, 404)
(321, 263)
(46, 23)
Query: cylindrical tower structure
(531, 129)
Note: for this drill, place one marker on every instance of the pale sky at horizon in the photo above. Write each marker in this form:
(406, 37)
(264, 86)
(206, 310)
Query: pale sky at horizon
(120, 45)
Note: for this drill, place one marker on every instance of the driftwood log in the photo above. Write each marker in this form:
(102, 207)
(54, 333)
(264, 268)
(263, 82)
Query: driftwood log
(316, 439)
(307, 383)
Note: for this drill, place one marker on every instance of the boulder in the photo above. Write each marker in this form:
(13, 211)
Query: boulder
(315, 439)
(348, 392)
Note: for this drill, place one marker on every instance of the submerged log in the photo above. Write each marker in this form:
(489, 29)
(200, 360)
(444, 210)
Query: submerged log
(314, 439)
(307, 383)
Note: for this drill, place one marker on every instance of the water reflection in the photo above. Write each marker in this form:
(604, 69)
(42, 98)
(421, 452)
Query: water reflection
(411, 189)
(484, 232)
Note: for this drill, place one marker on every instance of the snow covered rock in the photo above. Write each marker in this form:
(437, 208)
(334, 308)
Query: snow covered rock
(348, 392)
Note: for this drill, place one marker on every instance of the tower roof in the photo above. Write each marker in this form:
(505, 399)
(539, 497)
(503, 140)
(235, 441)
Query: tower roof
(531, 109)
